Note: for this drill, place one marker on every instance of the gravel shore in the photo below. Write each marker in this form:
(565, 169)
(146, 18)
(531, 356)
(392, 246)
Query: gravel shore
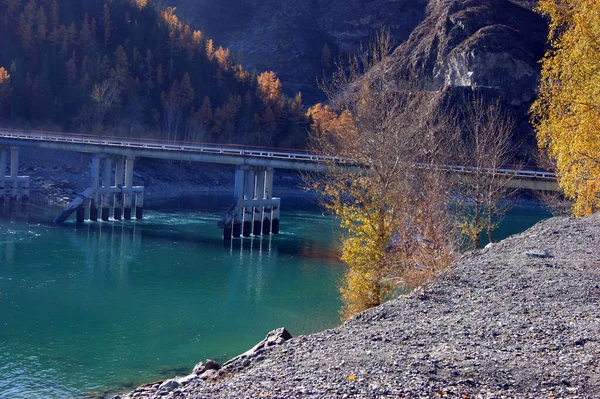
(519, 319)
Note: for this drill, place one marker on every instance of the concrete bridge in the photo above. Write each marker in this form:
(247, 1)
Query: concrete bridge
(254, 210)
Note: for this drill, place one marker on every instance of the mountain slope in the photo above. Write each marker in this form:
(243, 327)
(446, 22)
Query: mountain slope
(289, 37)
(128, 67)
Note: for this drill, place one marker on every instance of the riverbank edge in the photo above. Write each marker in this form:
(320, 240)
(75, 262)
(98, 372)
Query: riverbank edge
(516, 319)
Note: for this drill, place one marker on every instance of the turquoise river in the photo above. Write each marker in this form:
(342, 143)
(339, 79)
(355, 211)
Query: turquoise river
(89, 310)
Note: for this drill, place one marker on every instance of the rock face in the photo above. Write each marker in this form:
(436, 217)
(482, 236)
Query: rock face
(500, 324)
(476, 43)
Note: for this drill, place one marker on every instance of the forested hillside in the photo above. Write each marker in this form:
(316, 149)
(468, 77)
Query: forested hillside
(126, 67)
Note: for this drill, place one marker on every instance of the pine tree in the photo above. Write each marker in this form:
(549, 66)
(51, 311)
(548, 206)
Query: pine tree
(107, 23)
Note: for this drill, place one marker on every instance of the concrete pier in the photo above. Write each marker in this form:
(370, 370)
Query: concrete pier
(101, 195)
(275, 216)
(249, 195)
(127, 197)
(106, 184)
(258, 209)
(95, 174)
(14, 172)
(238, 196)
(266, 222)
(2, 174)
(139, 205)
(119, 174)
(80, 215)
(253, 206)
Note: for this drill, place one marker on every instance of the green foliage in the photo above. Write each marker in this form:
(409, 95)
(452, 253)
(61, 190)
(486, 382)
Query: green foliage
(126, 67)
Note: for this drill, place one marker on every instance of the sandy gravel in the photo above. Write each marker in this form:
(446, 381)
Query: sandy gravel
(519, 319)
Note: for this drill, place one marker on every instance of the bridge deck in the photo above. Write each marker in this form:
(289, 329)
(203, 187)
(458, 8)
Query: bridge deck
(227, 154)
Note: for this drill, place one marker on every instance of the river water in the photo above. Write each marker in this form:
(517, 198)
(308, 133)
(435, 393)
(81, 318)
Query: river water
(102, 307)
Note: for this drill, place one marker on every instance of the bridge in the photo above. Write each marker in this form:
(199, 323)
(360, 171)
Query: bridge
(254, 209)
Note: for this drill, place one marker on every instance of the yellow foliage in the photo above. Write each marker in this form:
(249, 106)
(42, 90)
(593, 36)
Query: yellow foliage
(4, 75)
(269, 89)
(329, 127)
(566, 114)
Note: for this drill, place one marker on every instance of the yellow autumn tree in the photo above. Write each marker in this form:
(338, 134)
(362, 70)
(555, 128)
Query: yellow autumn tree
(566, 114)
(379, 134)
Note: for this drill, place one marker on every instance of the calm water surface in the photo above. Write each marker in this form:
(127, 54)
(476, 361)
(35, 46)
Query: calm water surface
(101, 307)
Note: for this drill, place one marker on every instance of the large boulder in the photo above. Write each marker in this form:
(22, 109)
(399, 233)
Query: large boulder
(275, 337)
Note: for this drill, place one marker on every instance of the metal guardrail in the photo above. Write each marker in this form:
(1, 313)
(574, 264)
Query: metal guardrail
(167, 146)
(242, 151)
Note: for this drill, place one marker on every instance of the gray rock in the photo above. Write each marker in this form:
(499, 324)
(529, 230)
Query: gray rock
(187, 379)
(212, 365)
(199, 368)
(538, 253)
(209, 365)
(168, 385)
(209, 375)
(275, 337)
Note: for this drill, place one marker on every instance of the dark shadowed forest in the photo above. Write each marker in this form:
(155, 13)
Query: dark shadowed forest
(131, 68)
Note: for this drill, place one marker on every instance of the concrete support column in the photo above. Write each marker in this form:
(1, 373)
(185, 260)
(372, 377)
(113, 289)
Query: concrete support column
(14, 171)
(266, 223)
(25, 190)
(80, 215)
(258, 210)
(119, 173)
(95, 173)
(248, 195)
(238, 197)
(106, 184)
(275, 216)
(128, 186)
(2, 173)
(139, 205)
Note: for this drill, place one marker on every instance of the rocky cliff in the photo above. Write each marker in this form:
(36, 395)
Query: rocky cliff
(450, 43)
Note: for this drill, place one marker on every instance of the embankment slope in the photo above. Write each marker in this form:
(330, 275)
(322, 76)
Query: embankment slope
(519, 319)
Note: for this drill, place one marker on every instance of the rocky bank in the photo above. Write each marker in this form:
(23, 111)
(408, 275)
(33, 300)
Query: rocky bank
(518, 319)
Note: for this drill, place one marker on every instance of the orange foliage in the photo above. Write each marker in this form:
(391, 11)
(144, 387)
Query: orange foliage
(269, 89)
(326, 123)
(223, 57)
(4, 75)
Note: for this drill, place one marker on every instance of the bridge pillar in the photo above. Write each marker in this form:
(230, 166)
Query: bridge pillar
(2, 174)
(258, 210)
(119, 173)
(139, 205)
(238, 194)
(275, 215)
(128, 187)
(266, 222)
(106, 184)
(80, 215)
(248, 196)
(14, 172)
(95, 174)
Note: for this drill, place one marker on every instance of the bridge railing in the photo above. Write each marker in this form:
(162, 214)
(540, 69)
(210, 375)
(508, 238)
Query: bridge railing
(151, 144)
(240, 150)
